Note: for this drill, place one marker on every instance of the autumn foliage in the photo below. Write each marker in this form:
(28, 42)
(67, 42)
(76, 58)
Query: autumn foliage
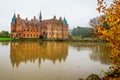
(111, 11)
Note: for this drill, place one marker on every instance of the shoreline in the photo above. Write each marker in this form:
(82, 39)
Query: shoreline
(39, 40)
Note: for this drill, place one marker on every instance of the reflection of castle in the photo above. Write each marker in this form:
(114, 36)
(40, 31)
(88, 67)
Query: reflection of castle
(23, 52)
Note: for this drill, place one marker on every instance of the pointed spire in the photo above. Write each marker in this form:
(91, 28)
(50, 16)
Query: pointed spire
(40, 17)
(64, 21)
(14, 19)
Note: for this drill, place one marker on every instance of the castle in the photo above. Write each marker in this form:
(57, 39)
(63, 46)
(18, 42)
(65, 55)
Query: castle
(50, 29)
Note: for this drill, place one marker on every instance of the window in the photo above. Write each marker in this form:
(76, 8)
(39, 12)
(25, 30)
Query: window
(27, 35)
(37, 35)
(19, 35)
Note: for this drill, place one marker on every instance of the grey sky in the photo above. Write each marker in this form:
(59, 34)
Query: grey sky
(77, 12)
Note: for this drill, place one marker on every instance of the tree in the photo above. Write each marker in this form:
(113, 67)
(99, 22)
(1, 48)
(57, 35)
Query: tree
(112, 13)
(83, 32)
(97, 21)
(4, 34)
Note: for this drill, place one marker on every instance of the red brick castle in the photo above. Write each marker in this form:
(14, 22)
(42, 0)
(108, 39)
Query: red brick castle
(36, 28)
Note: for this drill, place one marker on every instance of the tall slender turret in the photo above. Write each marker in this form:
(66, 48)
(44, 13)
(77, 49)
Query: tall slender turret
(14, 19)
(64, 21)
(40, 17)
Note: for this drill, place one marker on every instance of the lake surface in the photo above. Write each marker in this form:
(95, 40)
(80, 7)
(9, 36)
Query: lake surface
(52, 60)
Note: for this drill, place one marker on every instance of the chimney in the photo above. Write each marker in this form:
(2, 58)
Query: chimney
(31, 19)
(18, 15)
(26, 19)
(60, 18)
(34, 17)
(54, 17)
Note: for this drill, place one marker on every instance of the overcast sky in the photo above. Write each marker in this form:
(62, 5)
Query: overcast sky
(77, 12)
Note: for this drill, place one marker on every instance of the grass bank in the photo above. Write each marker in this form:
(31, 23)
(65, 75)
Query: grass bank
(6, 39)
(38, 39)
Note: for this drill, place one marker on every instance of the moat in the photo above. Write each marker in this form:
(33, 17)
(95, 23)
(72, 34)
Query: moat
(52, 60)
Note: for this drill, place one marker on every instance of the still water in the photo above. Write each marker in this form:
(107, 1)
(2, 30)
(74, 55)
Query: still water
(52, 60)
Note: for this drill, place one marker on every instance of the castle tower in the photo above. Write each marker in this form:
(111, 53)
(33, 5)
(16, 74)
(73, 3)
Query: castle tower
(64, 21)
(65, 29)
(40, 17)
(13, 25)
(14, 19)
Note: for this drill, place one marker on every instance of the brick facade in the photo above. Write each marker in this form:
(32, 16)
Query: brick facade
(35, 28)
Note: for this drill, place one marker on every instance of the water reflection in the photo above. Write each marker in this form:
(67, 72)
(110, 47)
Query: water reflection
(23, 52)
(52, 60)
(100, 51)
(4, 43)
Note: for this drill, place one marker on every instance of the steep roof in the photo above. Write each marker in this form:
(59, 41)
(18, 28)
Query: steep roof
(64, 21)
(14, 19)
